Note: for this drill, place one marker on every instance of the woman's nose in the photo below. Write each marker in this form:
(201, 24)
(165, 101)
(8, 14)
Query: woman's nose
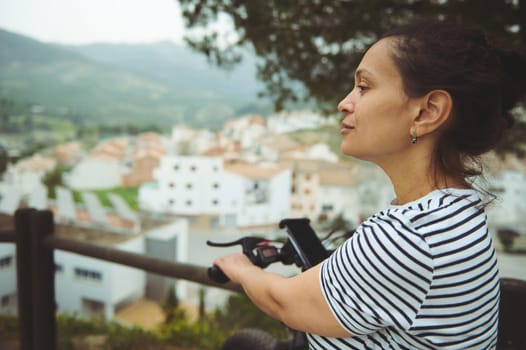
(345, 105)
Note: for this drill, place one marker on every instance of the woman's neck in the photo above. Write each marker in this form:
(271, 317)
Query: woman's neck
(414, 179)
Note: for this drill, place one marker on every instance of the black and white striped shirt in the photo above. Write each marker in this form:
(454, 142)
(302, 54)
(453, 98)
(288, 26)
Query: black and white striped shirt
(417, 276)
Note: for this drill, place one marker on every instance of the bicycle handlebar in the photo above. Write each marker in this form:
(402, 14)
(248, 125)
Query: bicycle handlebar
(217, 275)
(258, 250)
(302, 248)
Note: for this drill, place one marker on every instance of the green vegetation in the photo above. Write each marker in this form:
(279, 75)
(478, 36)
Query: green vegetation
(507, 238)
(54, 178)
(129, 195)
(158, 84)
(179, 333)
(308, 50)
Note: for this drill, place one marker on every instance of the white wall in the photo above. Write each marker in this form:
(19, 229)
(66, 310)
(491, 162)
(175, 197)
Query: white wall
(117, 282)
(127, 282)
(7, 274)
(200, 186)
(95, 173)
(509, 210)
(185, 185)
(343, 200)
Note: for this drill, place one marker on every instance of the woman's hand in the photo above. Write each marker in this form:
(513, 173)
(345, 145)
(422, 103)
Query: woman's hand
(235, 266)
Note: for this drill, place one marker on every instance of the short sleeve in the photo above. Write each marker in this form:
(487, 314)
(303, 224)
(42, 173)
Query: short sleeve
(379, 277)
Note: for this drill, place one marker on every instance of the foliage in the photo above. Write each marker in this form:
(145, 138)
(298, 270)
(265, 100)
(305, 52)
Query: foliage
(8, 326)
(170, 306)
(151, 84)
(53, 178)
(203, 335)
(309, 49)
(206, 334)
(3, 159)
(316, 42)
(507, 238)
(128, 194)
(239, 312)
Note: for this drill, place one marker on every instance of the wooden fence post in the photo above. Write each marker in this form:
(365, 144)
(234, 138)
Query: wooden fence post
(43, 297)
(24, 275)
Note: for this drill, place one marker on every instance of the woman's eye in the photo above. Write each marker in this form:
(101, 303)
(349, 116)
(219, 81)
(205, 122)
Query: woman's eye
(361, 88)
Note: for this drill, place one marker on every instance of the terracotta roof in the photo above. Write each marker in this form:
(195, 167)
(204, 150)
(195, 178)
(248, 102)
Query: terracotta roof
(253, 171)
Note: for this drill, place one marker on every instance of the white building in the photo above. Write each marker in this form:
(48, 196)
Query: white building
(291, 121)
(8, 301)
(509, 209)
(248, 130)
(323, 190)
(237, 195)
(95, 288)
(319, 151)
(93, 173)
(256, 195)
(27, 175)
(338, 196)
(186, 185)
(186, 141)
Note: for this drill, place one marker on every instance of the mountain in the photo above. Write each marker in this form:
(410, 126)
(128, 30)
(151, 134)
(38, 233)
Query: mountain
(160, 83)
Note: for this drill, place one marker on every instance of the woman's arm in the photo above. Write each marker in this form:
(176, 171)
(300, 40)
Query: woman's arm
(296, 301)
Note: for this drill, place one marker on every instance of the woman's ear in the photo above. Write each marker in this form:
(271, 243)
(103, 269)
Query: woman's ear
(435, 111)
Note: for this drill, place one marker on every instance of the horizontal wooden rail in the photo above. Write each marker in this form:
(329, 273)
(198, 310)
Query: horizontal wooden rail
(189, 272)
(7, 236)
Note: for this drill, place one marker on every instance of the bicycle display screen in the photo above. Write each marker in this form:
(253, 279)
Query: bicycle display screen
(305, 241)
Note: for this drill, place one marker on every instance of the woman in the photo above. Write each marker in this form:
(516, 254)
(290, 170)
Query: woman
(428, 98)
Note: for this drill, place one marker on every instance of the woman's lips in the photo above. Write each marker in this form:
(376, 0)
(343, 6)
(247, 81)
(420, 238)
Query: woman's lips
(346, 128)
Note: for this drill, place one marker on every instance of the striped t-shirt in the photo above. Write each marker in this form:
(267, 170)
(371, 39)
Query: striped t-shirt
(417, 276)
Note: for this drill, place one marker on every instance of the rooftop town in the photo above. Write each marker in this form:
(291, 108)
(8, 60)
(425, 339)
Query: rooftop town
(193, 185)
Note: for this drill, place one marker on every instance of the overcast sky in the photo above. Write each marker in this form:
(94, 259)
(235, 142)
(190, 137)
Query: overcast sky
(89, 21)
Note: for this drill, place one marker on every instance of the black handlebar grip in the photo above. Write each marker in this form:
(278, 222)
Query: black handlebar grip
(216, 275)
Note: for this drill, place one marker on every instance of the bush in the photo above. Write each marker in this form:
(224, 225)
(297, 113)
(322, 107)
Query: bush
(507, 238)
(207, 334)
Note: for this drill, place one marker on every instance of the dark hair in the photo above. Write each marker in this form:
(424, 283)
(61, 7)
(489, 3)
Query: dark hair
(484, 81)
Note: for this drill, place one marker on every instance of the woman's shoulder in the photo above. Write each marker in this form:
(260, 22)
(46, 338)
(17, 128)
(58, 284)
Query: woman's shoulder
(440, 200)
(434, 211)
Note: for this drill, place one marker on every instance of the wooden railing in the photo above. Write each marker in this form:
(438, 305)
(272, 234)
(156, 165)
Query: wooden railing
(35, 242)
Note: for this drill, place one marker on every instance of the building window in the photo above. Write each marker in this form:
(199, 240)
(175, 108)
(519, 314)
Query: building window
(307, 191)
(215, 185)
(176, 167)
(89, 275)
(188, 203)
(171, 202)
(327, 207)
(5, 300)
(189, 186)
(215, 168)
(307, 177)
(293, 189)
(6, 261)
(193, 168)
(215, 202)
(59, 268)
(172, 185)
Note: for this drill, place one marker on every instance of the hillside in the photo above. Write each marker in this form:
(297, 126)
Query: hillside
(134, 84)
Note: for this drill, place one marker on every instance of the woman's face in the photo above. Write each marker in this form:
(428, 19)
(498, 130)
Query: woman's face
(378, 114)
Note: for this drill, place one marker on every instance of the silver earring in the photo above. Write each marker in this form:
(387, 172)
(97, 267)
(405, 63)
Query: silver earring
(413, 139)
